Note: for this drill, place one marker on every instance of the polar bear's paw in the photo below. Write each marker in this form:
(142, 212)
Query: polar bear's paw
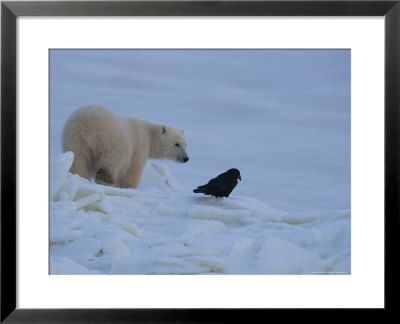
(103, 177)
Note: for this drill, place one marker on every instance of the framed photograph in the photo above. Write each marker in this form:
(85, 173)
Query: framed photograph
(181, 160)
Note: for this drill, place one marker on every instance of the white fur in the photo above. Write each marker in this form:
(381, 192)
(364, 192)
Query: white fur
(113, 149)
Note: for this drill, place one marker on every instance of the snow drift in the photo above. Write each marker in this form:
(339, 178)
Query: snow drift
(160, 228)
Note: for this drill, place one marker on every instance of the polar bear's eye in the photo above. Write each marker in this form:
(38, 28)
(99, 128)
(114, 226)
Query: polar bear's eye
(177, 145)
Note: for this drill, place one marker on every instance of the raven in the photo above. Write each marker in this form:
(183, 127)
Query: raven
(222, 185)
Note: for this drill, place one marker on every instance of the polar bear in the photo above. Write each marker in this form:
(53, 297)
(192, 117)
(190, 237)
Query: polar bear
(112, 149)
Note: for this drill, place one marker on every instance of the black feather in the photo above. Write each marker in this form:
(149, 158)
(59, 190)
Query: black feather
(222, 185)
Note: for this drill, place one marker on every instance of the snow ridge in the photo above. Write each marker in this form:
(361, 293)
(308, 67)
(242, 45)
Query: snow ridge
(163, 229)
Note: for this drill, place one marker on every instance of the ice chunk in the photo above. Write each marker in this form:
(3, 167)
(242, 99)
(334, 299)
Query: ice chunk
(64, 265)
(83, 249)
(86, 189)
(209, 263)
(198, 227)
(301, 217)
(338, 263)
(87, 201)
(255, 207)
(158, 176)
(171, 208)
(307, 217)
(278, 256)
(56, 185)
(223, 215)
(244, 246)
(64, 236)
(119, 191)
(73, 186)
(131, 228)
(60, 165)
(342, 267)
(115, 246)
(173, 265)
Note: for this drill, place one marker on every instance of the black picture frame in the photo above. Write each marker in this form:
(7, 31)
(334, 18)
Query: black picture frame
(10, 10)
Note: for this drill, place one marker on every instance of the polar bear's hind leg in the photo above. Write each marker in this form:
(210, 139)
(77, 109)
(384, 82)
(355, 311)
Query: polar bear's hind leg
(110, 166)
(80, 166)
(104, 177)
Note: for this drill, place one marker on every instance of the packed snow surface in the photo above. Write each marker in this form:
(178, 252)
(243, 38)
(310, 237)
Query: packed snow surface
(282, 117)
(162, 228)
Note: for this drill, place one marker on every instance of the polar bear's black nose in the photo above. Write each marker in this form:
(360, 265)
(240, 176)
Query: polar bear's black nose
(185, 159)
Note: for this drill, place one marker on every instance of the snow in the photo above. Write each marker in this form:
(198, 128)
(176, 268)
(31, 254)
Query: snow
(162, 228)
(282, 117)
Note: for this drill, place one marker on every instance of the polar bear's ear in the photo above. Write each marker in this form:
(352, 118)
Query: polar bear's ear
(164, 130)
(182, 132)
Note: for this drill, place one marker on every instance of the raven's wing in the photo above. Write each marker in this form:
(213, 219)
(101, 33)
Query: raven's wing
(212, 186)
(218, 183)
(222, 184)
(221, 179)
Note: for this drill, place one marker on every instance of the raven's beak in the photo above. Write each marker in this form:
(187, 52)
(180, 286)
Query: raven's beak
(239, 177)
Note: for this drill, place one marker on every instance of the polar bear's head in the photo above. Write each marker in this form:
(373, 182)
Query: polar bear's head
(173, 145)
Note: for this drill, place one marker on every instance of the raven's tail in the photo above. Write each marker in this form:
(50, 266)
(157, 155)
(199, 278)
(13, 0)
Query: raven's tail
(199, 190)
